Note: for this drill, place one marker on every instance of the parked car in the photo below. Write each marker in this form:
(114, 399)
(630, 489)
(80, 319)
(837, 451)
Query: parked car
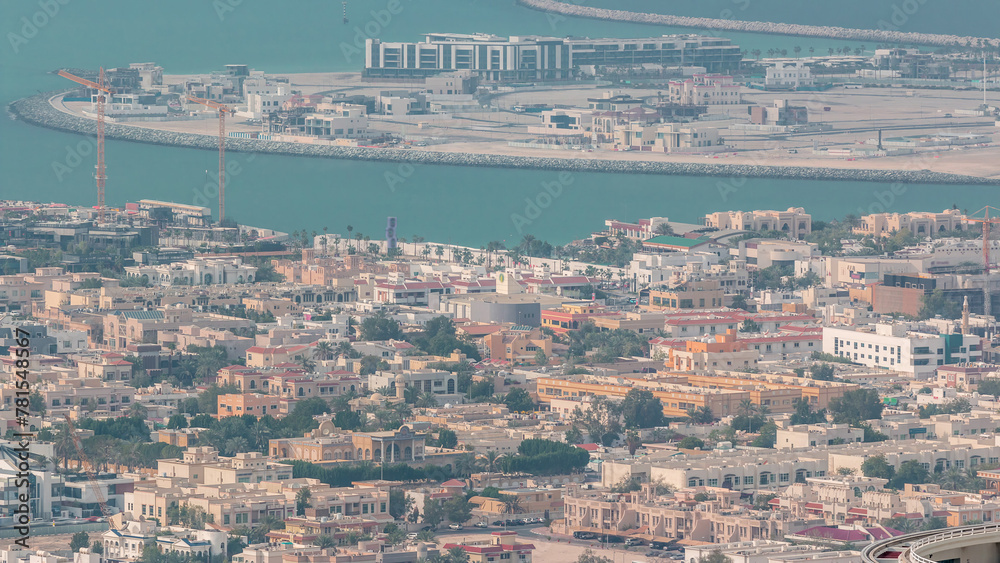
(633, 541)
(498, 523)
(455, 526)
(481, 525)
(412, 535)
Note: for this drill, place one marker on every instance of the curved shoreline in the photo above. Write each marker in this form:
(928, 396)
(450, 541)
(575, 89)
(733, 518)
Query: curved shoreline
(770, 28)
(37, 110)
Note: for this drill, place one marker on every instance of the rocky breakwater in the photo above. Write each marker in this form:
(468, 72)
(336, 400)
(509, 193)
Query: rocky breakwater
(887, 31)
(39, 111)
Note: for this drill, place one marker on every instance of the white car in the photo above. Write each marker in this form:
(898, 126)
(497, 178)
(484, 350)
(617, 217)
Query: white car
(455, 526)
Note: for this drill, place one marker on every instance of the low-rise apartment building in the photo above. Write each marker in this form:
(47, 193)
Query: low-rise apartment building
(895, 348)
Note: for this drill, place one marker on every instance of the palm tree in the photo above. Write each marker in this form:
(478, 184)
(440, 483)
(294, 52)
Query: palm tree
(349, 229)
(491, 458)
(664, 229)
(323, 350)
(343, 350)
(466, 464)
(325, 541)
(426, 400)
(64, 446)
(632, 442)
(137, 410)
(306, 363)
(302, 499)
(512, 504)
(261, 433)
(746, 408)
(953, 479)
(237, 445)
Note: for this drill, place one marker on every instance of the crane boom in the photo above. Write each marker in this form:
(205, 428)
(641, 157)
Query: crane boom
(100, 173)
(223, 110)
(91, 476)
(84, 81)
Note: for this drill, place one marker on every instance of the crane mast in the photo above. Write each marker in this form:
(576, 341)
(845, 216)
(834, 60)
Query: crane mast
(223, 111)
(100, 173)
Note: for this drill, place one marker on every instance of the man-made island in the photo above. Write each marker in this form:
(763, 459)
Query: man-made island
(843, 116)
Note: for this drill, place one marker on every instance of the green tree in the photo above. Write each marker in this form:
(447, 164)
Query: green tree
(988, 386)
(877, 466)
(856, 406)
(458, 509)
(79, 541)
(433, 512)
(691, 443)
(325, 541)
(632, 442)
(447, 438)
(701, 415)
(910, 472)
(380, 327)
(400, 504)
(937, 303)
(540, 357)
(766, 438)
(822, 372)
(934, 523)
(601, 420)
(804, 414)
(177, 421)
(574, 436)
(716, 556)
(302, 498)
(518, 400)
(37, 403)
(640, 409)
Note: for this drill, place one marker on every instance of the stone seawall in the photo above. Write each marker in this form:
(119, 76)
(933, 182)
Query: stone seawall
(38, 111)
(886, 32)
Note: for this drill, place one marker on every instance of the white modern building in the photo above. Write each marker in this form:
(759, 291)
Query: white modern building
(564, 123)
(534, 57)
(789, 76)
(895, 348)
(198, 271)
(706, 90)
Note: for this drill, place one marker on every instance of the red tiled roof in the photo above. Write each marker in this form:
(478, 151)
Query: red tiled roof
(813, 505)
(453, 483)
(589, 447)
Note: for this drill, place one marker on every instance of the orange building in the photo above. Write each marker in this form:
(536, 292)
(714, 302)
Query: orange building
(517, 344)
(239, 404)
(725, 353)
(572, 316)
